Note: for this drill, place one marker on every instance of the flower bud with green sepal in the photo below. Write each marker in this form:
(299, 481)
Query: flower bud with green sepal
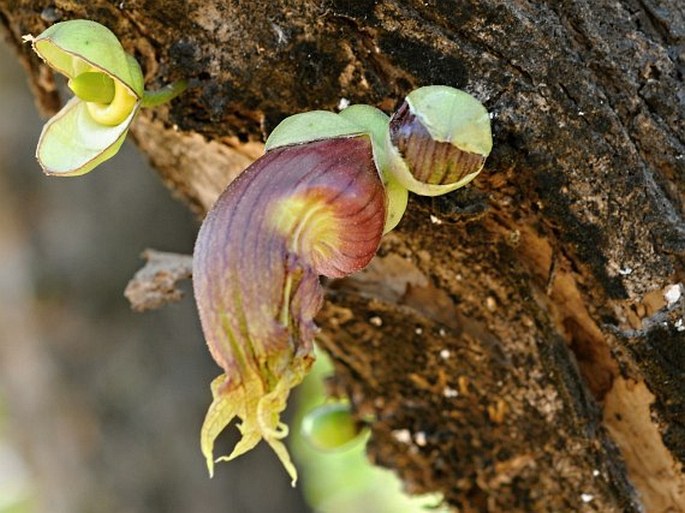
(438, 139)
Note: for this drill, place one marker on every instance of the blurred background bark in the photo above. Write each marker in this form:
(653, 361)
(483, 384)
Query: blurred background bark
(520, 342)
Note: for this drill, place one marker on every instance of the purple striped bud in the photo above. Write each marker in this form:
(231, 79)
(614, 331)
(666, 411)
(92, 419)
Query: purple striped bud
(440, 138)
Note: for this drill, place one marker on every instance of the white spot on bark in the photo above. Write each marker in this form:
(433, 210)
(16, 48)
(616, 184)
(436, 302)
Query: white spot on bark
(281, 38)
(402, 435)
(449, 393)
(672, 294)
(343, 103)
(376, 321)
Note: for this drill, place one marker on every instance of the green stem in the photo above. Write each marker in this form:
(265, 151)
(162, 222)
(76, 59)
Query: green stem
(163, 95)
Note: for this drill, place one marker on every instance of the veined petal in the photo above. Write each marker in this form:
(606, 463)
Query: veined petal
(297, 212)
(352, 121)
(72, 142)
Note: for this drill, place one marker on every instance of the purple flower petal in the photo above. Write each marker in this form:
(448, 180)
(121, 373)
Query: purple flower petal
(296, 213)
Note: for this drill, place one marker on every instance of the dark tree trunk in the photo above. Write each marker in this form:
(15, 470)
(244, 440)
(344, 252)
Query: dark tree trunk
(521, 342)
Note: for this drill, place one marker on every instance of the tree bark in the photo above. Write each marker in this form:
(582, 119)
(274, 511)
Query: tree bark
(521, 341)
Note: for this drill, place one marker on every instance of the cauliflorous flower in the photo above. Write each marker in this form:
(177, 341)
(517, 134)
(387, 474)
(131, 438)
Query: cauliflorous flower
(108, 88)
(296, 213)
(317, 203)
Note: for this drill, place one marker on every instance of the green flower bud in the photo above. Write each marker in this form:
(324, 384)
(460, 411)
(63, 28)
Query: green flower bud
(331, 427)
(108, 84)
(89, 129)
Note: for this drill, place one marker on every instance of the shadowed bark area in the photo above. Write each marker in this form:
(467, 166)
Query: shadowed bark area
(526, 332)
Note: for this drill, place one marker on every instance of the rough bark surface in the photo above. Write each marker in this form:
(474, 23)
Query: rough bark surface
(527, 332)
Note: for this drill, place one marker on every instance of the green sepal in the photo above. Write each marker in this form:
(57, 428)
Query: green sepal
(453, 116)
(72, 143)
(78, 46)
(397, 196)
(310, 126)
(374, 122)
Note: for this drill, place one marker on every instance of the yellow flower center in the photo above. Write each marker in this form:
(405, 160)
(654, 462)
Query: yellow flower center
(117, 110)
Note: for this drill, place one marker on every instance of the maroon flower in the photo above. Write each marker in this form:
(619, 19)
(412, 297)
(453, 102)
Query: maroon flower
(298, 212)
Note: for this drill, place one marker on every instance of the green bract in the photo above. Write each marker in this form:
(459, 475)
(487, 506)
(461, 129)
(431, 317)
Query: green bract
(73, 143)
(108, 84)
(310, 126)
